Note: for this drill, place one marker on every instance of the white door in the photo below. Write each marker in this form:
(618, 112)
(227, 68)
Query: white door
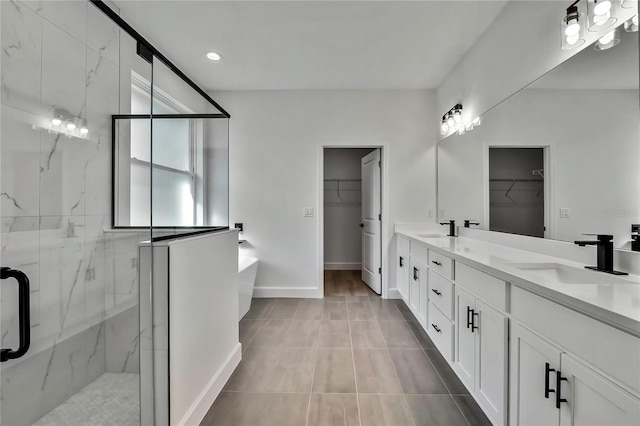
(593, 400)
(532, 388)
(465, 347)
(491, 364)
(371, 244)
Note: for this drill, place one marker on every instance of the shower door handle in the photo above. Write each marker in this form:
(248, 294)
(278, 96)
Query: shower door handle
(24, 314)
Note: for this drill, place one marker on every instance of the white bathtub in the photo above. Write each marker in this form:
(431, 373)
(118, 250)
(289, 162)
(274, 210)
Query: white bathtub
(247, 268)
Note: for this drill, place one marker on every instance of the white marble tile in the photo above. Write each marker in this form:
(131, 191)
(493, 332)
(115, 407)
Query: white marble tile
(102, 35)
(21, 56)
(70, 16)
(95, 352)
(20, 166)
(63, 73)
(94, 270)
(123, 342)
(63, 166)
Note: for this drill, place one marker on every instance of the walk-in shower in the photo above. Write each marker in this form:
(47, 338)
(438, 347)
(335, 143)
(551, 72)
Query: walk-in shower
(104, 144)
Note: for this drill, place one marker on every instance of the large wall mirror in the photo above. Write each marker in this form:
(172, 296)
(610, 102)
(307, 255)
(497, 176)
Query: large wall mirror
(559, 158)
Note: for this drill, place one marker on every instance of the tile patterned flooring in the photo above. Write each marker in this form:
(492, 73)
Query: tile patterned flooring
(342, 360)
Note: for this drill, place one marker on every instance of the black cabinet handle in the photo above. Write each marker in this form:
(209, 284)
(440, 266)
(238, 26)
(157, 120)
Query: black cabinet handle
(468, 316)
(436, 292)
(435, 262)
(559, 380)
(416, 275)
(471, 319)
(436, 328)
(547, 370)
(401, 262)
(23, 314)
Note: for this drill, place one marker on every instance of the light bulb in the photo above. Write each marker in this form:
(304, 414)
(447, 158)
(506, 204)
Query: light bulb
(444, 127)
(457, 117)
(84, 131)
(450, 121)
(631, 26)
(602, 8)
(608, 38)
(71, 126)
(572, 39)
(56, 122)
(572, 29)
(601, 19)
(214, 56)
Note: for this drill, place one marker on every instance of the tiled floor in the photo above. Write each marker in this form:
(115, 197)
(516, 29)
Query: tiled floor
(344, 360)
(111, 399)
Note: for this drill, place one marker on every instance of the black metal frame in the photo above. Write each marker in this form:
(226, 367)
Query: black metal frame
(148, 47)
(114, 119)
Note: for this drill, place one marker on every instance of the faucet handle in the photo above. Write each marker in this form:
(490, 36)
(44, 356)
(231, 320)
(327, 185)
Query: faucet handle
(602, 237)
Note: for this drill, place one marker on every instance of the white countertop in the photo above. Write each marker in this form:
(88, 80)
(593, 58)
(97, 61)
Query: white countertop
(615, 304)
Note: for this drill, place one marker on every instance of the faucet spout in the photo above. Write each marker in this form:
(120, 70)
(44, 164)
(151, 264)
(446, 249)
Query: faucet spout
(604, 245)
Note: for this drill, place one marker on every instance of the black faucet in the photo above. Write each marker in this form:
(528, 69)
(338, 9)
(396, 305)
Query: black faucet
(604, 243)
(452, 227)
(468, 222)
(635, 237)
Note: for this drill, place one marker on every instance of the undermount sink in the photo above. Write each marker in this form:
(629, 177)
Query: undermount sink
(556, 272)
(430, 235)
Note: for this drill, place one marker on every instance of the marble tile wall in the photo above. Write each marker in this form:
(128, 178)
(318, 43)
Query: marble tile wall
(55, 203)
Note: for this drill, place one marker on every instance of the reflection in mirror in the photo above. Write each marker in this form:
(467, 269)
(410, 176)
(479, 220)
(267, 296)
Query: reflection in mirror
(557, 159)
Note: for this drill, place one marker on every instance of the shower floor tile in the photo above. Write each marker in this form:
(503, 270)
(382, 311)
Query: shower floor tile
(111, 399)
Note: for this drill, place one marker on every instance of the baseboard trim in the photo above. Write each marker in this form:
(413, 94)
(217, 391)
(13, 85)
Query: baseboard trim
(201, 405)
(393, 293)
(299, 292)
(342, 266)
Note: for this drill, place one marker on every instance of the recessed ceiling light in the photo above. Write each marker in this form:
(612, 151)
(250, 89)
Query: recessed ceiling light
(214, 56)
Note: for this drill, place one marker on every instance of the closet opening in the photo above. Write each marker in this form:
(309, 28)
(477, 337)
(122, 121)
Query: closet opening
(352, 221)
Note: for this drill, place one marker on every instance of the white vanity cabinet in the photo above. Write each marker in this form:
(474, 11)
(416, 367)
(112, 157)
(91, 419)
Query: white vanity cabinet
(403, 268)
(552, 387)
(481, 352)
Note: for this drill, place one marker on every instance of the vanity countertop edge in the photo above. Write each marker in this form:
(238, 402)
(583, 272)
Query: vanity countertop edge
(607, 315)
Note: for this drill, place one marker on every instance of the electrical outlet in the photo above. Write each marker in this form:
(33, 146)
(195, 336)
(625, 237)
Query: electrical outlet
(307, 212)
(430, 213)
(565, 212)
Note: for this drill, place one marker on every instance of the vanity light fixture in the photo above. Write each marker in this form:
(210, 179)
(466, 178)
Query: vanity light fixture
(214, 56)
(476, 121)
(631, 26)
(71, 126)
(601, 14)
(84, 131)
(55, 122)
(607, 41)
(573, 27)
(444, 127)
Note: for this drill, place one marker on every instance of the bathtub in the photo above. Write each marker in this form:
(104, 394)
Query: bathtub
(247, 268)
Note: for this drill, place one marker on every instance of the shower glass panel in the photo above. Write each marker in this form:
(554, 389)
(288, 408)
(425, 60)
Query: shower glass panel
(62, 81)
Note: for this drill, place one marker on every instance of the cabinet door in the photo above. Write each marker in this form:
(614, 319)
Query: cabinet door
(465, 345)
(491, 361)
(404, 275)
(414, 287)
(424, 297)
(528, 403)
(594, 400)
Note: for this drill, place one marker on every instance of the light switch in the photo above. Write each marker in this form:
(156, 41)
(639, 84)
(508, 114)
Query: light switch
(565, 212)
(307, 212)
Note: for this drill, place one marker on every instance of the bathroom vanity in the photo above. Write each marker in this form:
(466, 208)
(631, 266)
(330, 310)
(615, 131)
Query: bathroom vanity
(535, 339)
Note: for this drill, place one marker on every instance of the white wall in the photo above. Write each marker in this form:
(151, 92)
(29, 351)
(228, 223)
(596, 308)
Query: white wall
(521, 44)
(342, 212)
(275, 159)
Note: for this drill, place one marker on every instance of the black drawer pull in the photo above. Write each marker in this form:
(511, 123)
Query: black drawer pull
(559, 380)
(435, 262)
(401, 262)
(547, 370)
(416, 274)
(436, 292)
(436, 328)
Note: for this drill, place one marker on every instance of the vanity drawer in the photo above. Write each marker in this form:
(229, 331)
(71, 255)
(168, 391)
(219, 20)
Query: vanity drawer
(403, 244)
(441, 331)
(420, 252)
(441, 264)
(486, 287)
(441, 293)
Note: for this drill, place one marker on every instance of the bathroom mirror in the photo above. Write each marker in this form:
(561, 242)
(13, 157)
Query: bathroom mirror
(559, 158)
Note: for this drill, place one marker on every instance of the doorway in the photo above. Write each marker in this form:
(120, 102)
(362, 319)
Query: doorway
(517, 190)
(352, 221)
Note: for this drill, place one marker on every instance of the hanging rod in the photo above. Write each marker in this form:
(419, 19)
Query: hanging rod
(516, 180)
(343, 180)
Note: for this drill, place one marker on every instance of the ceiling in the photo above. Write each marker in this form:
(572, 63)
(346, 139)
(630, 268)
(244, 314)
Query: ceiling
(313, 44)
(614, 69)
